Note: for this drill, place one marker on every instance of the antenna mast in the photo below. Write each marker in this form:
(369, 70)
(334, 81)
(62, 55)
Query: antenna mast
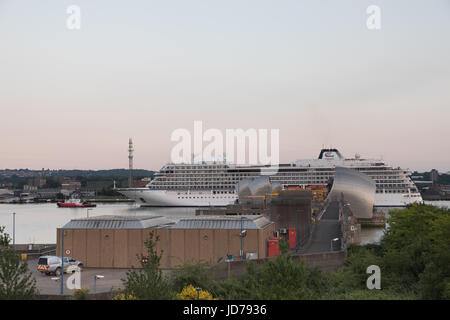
(130, 163)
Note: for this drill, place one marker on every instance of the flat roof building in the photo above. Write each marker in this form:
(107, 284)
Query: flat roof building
(108, 241)
(118, 241)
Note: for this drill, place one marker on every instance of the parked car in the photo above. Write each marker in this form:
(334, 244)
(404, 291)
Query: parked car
(53, 265)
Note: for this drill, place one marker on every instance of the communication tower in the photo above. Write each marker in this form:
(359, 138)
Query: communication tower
(130, 163)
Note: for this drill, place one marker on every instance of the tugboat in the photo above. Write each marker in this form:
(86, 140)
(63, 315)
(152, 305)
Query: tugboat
(76, 203)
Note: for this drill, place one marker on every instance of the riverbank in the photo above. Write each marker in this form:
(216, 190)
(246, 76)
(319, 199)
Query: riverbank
(38, 200)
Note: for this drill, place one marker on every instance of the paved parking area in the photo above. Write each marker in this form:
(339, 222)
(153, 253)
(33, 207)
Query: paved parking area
(112, 280)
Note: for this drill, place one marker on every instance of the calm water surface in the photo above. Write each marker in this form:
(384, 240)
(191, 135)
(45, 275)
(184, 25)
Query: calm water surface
(37, 223)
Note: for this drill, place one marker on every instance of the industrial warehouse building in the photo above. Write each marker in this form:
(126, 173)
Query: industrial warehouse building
(108, 241)
(291, 211)
(118, 241)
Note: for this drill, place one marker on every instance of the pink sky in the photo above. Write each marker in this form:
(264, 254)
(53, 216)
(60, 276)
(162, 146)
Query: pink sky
(71, 99)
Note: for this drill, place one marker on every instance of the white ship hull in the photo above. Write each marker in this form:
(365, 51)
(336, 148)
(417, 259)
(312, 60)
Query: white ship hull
(165, 198)
(396, 199)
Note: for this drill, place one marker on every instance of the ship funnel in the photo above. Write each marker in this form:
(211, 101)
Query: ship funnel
(330, 154)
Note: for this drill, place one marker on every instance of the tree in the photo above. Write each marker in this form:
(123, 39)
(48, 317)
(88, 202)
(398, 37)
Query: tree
(51, 183)
(148, 283)
(434, 282)
(284, 278)
(16, 282)
(414, 258)
(5, 239)
(197, 275)
(417, 250)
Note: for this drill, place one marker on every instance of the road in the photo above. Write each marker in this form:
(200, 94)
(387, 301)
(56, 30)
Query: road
(327, 229)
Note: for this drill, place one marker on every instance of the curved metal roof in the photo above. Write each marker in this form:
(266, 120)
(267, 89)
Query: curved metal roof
(260, 186)
(356, 188)
(242, 188)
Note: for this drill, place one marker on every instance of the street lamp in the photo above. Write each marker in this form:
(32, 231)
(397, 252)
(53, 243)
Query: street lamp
(228, 260)
(14, 231)
(62, 262)
(95, 281)
(198, 292)
(242, 234)
(296, 230)
(332, 242)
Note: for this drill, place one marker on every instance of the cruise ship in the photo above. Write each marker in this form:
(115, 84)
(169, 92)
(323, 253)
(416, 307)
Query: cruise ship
(213, 183)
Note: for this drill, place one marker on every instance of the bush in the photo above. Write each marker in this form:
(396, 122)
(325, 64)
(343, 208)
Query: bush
(80, 294)
(197, 275)
(122, 295)
(230, 289)
(282, 278)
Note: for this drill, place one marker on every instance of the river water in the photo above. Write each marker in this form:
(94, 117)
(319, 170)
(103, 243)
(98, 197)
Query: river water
(374, 235)
(37, 223)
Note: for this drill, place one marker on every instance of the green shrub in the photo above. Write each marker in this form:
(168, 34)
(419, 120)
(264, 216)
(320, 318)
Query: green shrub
(80, 294)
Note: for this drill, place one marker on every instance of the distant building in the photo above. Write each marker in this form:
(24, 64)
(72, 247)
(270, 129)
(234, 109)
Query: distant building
(48, 193)
(29, 188)
(423, 185)
(434, 176)
(70, 186)
(5, 194)
(37, 182)
(445, 189)
(7, 185)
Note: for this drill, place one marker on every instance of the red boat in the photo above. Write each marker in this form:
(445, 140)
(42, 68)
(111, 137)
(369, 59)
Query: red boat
(71, 203)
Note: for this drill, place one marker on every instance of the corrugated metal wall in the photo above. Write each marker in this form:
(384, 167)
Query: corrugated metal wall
(118, 248)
